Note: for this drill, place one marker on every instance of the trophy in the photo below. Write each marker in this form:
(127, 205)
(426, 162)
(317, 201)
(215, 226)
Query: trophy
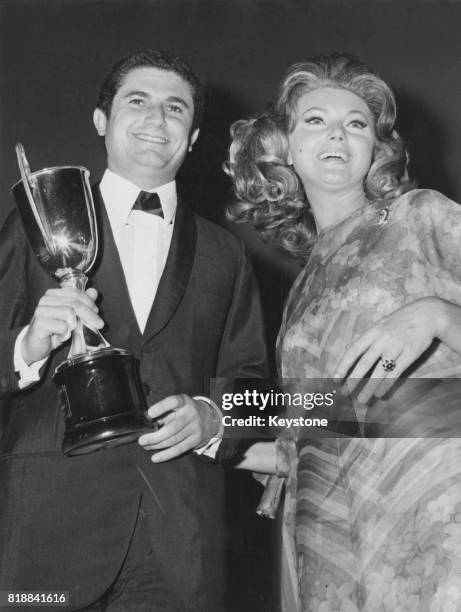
(99, 384)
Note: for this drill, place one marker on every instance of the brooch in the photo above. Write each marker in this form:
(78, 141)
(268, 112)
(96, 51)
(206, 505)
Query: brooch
(383, 216)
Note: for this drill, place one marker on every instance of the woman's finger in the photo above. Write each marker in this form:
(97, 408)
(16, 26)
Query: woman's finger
(402, 362)
(358, 348)
(363, 365)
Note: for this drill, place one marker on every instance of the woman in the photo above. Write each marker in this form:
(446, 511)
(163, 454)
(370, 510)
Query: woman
(377, 521)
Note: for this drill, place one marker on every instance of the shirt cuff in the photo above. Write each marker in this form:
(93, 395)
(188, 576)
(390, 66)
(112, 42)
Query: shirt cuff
(27, 374)
(211, 447)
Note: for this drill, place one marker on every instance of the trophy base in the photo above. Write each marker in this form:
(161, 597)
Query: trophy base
(103, 401)
(105, 433)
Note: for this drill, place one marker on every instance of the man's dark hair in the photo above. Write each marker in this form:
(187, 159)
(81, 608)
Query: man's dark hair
(151, 58)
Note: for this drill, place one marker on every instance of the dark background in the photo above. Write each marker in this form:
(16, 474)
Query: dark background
(55, 53)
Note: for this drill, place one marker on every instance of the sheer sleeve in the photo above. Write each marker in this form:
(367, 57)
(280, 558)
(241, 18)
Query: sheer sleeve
(436, 220)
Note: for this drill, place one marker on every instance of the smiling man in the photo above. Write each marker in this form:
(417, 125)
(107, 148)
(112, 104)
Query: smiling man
(149, 127)
(127, 529)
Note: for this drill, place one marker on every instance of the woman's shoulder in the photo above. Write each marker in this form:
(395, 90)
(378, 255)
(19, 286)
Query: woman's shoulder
(424, 199)
(421, 209)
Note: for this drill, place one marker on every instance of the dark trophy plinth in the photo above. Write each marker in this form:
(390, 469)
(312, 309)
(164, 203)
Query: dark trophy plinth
(104, 401)
(99, 384)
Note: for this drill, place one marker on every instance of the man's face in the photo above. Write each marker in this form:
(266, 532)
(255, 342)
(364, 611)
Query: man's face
(148, 132)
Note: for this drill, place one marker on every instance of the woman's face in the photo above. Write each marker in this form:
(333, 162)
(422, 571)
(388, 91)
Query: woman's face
(331, 145)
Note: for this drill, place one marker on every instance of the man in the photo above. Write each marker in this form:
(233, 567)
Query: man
(116, 529)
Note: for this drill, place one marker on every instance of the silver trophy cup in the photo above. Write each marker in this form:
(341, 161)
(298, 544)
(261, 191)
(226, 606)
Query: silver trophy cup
(100, 387)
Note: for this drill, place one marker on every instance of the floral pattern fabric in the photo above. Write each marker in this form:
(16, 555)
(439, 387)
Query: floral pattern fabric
(375, 523)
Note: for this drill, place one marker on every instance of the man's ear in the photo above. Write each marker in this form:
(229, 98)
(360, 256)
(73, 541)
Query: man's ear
(193, 138)
(100, 121)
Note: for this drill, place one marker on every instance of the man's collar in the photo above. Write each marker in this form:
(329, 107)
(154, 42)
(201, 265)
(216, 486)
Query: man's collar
(119, 195)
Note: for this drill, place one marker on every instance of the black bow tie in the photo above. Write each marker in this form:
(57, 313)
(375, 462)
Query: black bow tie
(149, 203)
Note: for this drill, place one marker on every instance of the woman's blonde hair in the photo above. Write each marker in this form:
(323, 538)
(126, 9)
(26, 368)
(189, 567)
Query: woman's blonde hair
(269, 192)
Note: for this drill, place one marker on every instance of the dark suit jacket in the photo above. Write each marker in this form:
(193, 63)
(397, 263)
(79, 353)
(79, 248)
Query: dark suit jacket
(66, 522)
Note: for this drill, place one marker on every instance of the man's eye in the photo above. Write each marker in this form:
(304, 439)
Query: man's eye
(175, 108)
(136, 101)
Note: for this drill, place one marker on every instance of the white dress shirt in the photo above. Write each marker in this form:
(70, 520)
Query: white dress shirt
(143, 240)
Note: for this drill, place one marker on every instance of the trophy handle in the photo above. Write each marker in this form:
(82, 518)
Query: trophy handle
(28, 181)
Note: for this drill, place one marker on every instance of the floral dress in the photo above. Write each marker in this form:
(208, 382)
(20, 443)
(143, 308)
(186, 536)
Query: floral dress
(376, 521)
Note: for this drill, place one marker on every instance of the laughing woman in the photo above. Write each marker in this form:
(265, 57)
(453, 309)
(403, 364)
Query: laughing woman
(376, 520)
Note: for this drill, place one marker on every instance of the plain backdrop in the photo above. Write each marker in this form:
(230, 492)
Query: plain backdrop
(54, 55)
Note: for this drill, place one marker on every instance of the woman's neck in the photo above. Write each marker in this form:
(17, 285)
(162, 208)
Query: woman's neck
(329, 208)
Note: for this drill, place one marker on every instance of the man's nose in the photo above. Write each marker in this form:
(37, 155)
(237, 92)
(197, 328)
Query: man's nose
(156, 113)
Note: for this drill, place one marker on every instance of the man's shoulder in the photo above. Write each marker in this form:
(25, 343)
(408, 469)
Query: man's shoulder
(12, 228)
(214, 234)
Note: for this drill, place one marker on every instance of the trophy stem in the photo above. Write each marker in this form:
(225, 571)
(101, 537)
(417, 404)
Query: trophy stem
(85, 339)
(70, 277)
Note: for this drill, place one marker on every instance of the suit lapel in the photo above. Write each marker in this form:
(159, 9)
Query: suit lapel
(176, 274)
(109, 280)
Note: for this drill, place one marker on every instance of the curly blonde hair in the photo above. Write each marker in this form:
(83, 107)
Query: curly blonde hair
(269, 191)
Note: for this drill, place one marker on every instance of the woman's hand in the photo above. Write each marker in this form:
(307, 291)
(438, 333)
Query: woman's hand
(394, 342)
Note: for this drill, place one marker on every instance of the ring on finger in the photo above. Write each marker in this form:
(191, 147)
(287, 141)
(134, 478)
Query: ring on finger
(388, 364)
